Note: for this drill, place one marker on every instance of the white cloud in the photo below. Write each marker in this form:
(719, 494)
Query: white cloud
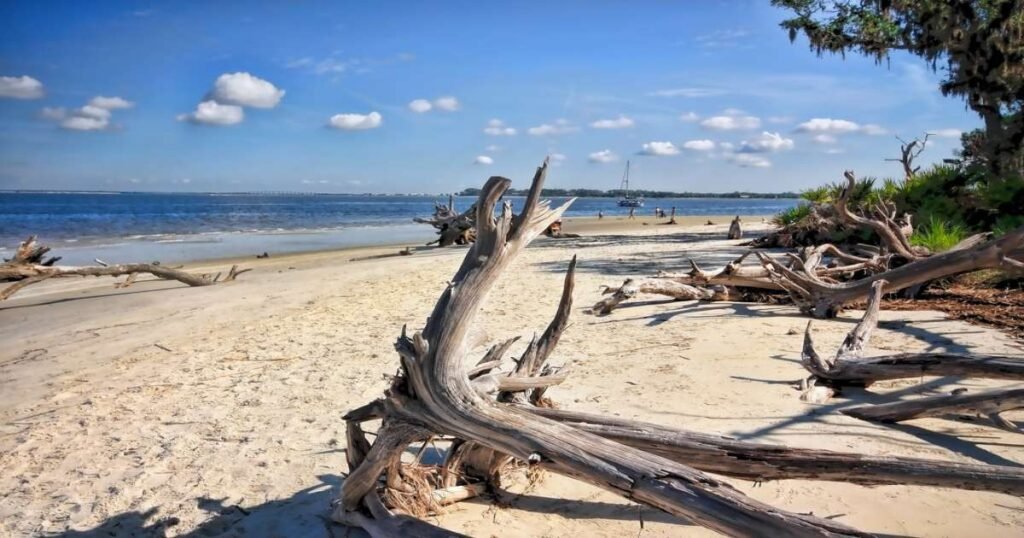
(53, 113)
(497, 127)
(834, 151)
(748, 160)
(557, 157)
(85, 123)
(483, 159)
(604, 156)
(946, 133)
(420, 106)
(214, 113)
(873, 130)
(828, 126)
(686, 92)
(731, 122)
(699, 145)
(90, 111)
(447, 103)
(621, 122)
(23, 87)
(110, 103)
(689, 117)
(243, 89)
(547, 129)
(659, 149)
(824, 138)
(355, 122)
(766, 142)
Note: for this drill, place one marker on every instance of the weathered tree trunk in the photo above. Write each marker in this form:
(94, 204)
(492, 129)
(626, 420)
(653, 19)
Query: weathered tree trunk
(452, 228)
(989, 404)
(434, 393)
(757, 461)
(848, 368)
(735, 230)
(27, 268)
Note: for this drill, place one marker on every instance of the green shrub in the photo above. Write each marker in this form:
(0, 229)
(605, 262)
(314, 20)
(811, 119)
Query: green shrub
(938, 235)
(792, 215)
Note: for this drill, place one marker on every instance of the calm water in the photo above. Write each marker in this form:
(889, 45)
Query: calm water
(191, 226)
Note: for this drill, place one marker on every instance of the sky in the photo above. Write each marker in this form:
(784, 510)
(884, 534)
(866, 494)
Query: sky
(433, 97)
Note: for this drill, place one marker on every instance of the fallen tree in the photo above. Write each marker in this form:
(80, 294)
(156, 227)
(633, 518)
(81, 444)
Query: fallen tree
(824, 278)
(849, 368)
(31, 266)
(497, 418)
(453, 228)
(989, 404)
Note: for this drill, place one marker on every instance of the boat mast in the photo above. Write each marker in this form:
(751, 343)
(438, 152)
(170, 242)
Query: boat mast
(625, 180)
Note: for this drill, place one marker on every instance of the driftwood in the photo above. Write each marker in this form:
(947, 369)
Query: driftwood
(434, 395)
(453, 228)
(28, 267)
(760, 462)
(909, 151)
(989, 404)
(825, 299)
(848, 368)
(735, 229)
(496, 419)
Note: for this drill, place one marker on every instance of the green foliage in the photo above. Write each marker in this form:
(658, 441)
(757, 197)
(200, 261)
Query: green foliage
(980, 44)
(792, 215)
(938, 235)
(827, 194)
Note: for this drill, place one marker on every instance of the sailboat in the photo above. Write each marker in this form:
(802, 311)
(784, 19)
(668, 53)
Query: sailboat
(626, 200)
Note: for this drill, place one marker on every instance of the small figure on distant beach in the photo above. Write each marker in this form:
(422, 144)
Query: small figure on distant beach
(632, 213)
(600, 215)
(657, 212)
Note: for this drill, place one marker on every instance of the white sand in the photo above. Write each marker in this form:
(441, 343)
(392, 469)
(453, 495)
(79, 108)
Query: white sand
(236, 431)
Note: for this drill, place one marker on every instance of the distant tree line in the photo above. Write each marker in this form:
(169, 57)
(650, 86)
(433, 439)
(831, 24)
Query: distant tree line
(615, 193)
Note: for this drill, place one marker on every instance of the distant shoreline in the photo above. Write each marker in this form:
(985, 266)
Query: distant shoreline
(551, 193)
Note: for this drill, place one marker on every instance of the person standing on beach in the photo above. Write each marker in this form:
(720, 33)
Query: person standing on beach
(632, 213)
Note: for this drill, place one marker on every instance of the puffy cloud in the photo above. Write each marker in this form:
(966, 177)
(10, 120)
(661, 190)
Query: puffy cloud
(243, 89)
(689, 117)
(824, 139)
(732, 121)
(557, 158)
(659, 149)
(110, 103)
(447, 103)
(686, 92)
(873, 130)
(621, 122)
(420, 106)
(547, 129)
(828, 126)
(699, 145)
(497, 127)
(53, 113)
(604, 156)
(90, 111)
(483, 159)
(85, 123)
(355, 122)
(748, 160)
(766, 142)
(23, 87)
(214, 113)
(946, 133)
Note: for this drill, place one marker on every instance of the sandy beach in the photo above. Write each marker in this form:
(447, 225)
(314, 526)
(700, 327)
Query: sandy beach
(166, 410)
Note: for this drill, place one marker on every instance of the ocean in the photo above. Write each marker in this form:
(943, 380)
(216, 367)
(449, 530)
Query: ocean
(119, 227)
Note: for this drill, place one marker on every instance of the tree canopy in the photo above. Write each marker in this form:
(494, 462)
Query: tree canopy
(979, 44)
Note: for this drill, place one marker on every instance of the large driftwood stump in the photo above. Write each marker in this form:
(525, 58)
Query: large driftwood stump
(453, 228)
(735, 229)
(495, 418)
(28, 267)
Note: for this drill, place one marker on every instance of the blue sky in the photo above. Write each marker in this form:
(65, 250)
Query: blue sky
(425, 97)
